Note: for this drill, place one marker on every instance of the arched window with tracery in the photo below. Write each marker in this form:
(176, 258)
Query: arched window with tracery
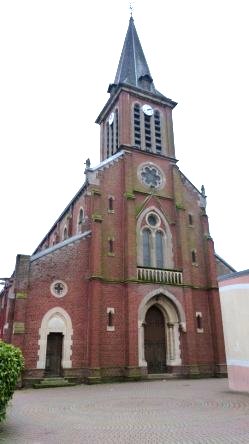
(154, 240)
(153, 243)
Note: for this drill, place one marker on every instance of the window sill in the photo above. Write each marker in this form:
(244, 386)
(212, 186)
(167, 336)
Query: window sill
(110, 328)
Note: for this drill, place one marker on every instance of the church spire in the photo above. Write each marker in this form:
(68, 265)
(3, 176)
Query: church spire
(133, 69)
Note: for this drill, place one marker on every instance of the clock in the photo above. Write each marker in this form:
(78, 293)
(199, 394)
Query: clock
(111, 118)
(147, 110)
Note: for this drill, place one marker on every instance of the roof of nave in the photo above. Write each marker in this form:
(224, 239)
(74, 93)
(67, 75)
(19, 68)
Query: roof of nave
(220, 259)
(105, 164)
(62, 244)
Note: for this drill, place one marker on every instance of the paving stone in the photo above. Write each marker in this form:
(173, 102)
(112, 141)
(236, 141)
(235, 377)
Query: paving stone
(172, 411)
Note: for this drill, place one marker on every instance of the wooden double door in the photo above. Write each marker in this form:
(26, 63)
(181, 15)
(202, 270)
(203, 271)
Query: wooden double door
(54, 354)
(155, 341)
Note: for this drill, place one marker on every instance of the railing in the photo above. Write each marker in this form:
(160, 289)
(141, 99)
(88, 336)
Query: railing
(159, 276)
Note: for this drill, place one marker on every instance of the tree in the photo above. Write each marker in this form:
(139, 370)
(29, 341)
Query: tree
(11, 365)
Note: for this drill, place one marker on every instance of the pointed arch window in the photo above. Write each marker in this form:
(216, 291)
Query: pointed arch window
(159, 249)
(81, 216)
(111, 247)
(146, 247)
(65, 233)
(110, 319)
(80, 220)
(110, 204)
(153, 242)
(194, 256)
(199, 323)
(190, 219)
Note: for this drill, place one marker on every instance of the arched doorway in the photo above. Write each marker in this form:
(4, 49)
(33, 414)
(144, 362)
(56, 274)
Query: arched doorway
(54, 354)
(55, 342)
(155, 340)
(172, 319)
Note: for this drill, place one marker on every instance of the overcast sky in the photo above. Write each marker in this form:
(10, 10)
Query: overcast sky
(57, 60)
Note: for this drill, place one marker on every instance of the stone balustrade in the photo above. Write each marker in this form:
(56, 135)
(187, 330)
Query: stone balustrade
(156, 275)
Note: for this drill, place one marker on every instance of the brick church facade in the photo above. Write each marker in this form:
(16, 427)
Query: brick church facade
(124, 285)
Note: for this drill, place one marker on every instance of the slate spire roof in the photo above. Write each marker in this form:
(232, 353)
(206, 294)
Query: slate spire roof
(133, 69)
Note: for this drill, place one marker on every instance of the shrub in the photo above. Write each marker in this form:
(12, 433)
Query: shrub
(11, 365)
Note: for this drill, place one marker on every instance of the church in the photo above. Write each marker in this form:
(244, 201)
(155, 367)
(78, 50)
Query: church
(124, 285)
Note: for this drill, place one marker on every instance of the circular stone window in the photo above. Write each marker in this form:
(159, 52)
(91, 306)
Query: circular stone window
(153, 220)
(150, 176)
(58, 289)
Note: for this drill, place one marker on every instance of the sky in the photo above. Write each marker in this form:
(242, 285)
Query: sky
(57, 60)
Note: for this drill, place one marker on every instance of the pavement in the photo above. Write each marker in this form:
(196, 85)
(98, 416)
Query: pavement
(172, 411)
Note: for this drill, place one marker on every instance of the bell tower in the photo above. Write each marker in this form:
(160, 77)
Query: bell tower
(136, 116)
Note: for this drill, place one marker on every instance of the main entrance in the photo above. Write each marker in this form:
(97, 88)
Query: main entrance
(54, 354)
(155, 340)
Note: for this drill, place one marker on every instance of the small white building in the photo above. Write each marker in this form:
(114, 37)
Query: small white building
(234, 296)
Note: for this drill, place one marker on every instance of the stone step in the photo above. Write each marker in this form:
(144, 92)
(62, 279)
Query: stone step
(54, 382)
(159, 376)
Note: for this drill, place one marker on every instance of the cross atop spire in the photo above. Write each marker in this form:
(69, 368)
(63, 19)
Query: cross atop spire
(133, 69)
(131, 9)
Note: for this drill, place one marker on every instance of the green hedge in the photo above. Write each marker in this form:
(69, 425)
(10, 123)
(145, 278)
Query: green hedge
(11, 365)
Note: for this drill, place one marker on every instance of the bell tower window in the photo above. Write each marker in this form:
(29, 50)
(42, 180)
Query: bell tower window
(107, 140)
(137, 128)
(158, 137)
(112, 137)
(147, 132)
(111, 133)
(147, 128)
(116, 129)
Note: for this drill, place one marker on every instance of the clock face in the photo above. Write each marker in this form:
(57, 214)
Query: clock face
(147, 110)
(111, 118)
